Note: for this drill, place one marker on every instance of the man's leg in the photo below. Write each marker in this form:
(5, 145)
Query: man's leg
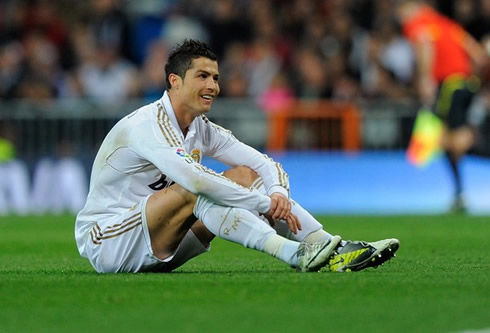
(458, 142)
(192, 245)
(268, 241)
(169, 217)
(350, 255)
(175, 204)
(458, 139)
(312, 231)
(169, 214)
(243, 227)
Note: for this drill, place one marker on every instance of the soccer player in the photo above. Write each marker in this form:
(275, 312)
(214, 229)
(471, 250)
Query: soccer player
(445, 56)
(152, 206)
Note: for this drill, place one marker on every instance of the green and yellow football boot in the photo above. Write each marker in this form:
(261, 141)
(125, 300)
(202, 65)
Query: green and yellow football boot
(358, 255)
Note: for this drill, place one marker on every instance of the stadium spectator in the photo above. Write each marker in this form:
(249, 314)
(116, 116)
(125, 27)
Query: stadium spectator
(41, 72)
(142, 209)
(178, 27)
(110, 26)
(151, 81)
(278, 95)
(388, 64)
(264, 64)
(11, 58)
(448, 83)
(464, 12)
(394, 53)
(45, 18)
(108, 77)
(235, 75)
(481, 25)
(310, 79)
(226, 24)
(12, 20)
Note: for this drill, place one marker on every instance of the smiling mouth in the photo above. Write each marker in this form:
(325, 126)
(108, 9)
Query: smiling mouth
(208, 98)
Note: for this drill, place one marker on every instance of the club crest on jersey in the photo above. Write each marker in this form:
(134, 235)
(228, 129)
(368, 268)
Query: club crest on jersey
(181, 152)
(196, 155)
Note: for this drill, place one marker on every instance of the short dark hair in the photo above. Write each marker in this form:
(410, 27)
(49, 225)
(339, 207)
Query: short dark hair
(180, 59)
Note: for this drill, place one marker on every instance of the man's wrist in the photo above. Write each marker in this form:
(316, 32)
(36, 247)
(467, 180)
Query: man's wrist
(278, 189)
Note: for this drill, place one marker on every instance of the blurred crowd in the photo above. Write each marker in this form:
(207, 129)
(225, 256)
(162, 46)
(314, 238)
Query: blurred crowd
(269, 50)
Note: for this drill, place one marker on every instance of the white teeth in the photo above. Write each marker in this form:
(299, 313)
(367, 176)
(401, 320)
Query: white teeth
(208, 97)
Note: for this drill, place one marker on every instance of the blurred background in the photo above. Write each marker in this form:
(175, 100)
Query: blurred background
(324, 86)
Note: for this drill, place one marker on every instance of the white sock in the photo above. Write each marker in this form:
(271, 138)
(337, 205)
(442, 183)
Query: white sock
(312, 230)
(317, 236)
(241, 226)
(282, 248)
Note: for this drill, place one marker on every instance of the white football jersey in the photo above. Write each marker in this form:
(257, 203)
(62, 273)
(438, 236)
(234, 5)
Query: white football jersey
(146, 151)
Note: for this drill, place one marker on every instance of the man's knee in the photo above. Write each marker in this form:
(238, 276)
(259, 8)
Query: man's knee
(170, 203)
(176, 192)
(242, 175)
(459, 141)
(188, 197)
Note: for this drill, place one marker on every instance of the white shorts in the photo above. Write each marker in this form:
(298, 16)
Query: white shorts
(122, 244)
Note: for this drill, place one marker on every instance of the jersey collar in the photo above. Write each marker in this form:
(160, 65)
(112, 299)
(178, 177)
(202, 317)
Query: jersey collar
(173, 119)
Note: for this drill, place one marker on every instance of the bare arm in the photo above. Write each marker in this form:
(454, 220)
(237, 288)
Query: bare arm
(426, 85)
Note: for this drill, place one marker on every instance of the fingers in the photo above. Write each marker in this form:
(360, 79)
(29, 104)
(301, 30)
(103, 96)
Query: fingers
(291, 220)
(293, 223)
(270, 219)
(274, 203)
(281, 210)
(280, 207)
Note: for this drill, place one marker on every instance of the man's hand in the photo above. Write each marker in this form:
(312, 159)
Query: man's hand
(281, 210)
(280, 206)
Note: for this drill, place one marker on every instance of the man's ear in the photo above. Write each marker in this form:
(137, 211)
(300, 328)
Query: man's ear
(175, 81)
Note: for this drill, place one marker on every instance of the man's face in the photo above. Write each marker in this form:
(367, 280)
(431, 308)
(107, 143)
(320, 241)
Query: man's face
(200, 85)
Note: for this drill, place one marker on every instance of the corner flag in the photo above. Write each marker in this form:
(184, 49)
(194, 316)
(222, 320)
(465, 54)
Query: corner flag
(425, 142)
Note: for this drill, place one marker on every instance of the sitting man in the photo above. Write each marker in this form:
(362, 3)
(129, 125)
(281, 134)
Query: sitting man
(152, 206)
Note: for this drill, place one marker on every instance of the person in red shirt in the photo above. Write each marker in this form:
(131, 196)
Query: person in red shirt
(447, 59)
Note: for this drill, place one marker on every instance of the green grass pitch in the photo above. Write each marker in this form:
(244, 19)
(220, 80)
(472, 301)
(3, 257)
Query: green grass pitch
(439, 282)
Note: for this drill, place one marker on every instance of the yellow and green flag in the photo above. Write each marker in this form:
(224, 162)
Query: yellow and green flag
(425, 142)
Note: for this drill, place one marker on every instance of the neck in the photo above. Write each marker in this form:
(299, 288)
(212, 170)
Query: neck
(184, 117)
